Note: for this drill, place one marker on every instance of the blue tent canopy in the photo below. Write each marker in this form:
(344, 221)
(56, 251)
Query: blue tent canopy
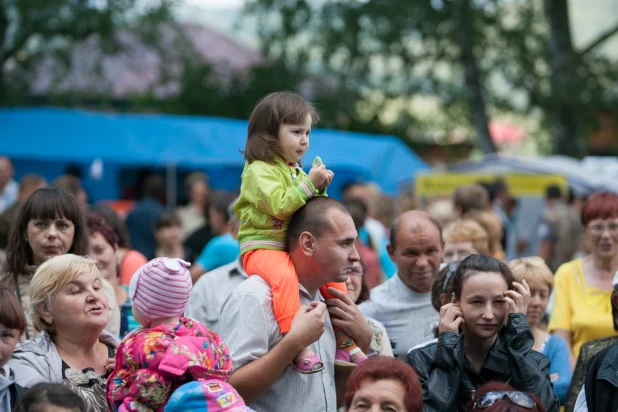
(209, 143)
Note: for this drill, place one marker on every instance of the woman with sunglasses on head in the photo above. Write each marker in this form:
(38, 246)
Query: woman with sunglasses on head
(483, 336)
(500, 397)
(441, 290)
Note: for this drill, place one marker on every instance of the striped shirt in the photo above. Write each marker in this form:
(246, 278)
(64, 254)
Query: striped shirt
(249, 328)
(211, 291)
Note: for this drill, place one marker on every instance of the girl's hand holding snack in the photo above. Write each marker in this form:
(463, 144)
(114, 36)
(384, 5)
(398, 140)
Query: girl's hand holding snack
(319, 175)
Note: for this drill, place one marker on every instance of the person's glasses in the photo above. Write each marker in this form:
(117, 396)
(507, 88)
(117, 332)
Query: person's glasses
(518, 398)
(597, 229)
(452, 268)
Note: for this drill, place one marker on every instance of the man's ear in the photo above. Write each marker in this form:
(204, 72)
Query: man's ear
(307, 243)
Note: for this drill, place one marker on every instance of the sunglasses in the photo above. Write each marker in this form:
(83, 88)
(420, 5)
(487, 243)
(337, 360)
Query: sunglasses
(518, 398)
(452, 268)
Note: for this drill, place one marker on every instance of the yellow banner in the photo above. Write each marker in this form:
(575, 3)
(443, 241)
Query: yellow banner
(427, 185)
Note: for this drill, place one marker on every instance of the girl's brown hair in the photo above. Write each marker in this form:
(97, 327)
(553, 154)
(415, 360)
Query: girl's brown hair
(46, 203)
(11, 314)
(474, 264)
(267, 117)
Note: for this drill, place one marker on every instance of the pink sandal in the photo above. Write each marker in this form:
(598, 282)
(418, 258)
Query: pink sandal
(308, 365)
(343, 356)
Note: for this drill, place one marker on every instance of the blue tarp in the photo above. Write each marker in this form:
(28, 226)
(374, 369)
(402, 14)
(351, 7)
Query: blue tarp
(190, 142)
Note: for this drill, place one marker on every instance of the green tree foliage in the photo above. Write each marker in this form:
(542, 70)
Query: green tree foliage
(508, 55)
(30, 29)
(206, 91)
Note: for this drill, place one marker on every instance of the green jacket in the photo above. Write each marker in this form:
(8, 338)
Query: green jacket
(269, 196)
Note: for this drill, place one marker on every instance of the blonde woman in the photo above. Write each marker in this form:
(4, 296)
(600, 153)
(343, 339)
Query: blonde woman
(462, 238)
(541, 282)
(69, 307)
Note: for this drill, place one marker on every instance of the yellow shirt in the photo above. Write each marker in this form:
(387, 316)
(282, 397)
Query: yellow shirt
(585, 311)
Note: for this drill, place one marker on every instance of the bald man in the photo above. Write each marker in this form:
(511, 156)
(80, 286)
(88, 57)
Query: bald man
(9, 188)
(403, 303)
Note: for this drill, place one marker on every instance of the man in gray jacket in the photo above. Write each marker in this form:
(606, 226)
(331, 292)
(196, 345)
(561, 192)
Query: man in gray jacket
(403, 303)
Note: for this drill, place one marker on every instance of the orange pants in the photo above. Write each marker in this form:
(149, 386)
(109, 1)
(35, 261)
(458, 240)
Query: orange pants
(276, 268)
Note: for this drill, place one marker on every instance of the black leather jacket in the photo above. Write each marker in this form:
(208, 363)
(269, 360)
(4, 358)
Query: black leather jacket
(586, 354)
(450, 382)
(602, 381)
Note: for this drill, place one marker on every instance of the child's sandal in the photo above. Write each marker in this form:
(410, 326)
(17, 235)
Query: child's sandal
(309, 364)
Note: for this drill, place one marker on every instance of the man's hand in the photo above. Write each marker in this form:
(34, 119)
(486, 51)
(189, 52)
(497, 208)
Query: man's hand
(348, 317)
(308, 325)
(451, 318)
(255, 378)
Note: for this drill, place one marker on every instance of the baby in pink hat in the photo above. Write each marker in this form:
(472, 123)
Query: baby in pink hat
(169, 350)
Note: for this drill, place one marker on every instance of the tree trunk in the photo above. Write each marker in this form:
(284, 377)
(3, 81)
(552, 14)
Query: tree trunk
(476, 101)
(562, 60)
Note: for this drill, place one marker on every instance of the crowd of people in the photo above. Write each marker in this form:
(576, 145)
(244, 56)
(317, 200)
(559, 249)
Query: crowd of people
(281, 298)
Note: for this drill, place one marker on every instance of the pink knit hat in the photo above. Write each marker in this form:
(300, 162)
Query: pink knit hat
(161, 288)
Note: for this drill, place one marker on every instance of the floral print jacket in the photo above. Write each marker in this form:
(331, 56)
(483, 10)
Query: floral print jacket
(151, 363)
